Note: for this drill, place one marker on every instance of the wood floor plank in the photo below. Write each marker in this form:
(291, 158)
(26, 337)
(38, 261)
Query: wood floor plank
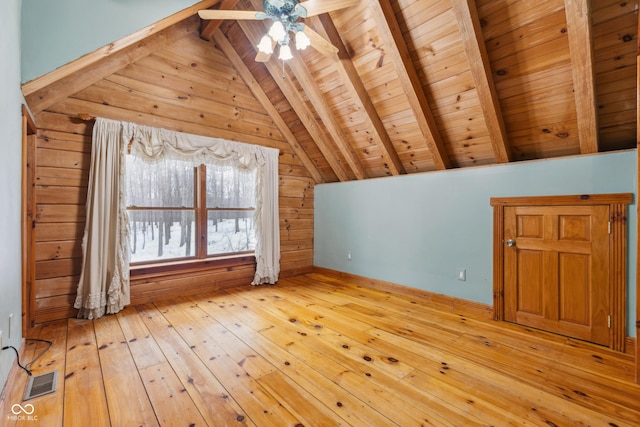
(129, 404)
(309, 337)
(172, 405)
(359, 346)
(499, 357)
(359, 382)
(372, 313)
(541, 347)
(541, 343)
(245, 324)
(536, 355)
(84, 397)
(377, 315)
(306, 407)
(261, 407)
(490, 409)
(581, 386)
(212, 399)
(320, 349)
(141, 343)
(401, 403)
(333, 335)
(230, 347)
(464, 402)
(529, 402)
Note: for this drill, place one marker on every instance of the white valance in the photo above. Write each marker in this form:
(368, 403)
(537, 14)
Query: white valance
(154, 144)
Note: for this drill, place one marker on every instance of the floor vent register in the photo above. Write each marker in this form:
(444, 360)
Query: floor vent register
(41, 384)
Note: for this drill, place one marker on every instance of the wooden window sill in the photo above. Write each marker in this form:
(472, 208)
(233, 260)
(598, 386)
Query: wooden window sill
(161, 269)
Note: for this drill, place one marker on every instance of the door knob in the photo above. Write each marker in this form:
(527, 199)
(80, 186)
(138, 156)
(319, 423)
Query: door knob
(511, 242)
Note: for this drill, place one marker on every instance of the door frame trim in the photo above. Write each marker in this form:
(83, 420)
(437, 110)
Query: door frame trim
(617, 251)
(29, 135)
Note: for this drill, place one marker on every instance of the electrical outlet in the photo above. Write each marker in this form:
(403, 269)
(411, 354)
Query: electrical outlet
(0, 339)
(349, 256)
(462, 274)
(10, 326)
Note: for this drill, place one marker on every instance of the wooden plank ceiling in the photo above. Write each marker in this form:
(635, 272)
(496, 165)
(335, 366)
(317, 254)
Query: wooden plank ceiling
(417, 85)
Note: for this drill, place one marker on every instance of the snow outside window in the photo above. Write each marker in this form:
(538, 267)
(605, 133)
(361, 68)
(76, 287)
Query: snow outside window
(170, 201)
(231, 201)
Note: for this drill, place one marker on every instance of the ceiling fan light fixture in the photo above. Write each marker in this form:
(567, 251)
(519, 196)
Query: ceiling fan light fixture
(302, 40)
(286, 19)
(266, 45)
(285, 52)
(277, 31)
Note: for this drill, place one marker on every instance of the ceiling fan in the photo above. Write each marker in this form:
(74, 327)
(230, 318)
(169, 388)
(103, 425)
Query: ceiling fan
(286, 18)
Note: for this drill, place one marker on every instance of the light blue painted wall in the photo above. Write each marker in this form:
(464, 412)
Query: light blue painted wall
(418, 230)
(10, 183)
(57, 32)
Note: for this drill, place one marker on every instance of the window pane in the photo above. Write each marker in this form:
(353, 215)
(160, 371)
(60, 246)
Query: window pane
(228, 187)
(165, 184)
(230, 231)
(162, 235)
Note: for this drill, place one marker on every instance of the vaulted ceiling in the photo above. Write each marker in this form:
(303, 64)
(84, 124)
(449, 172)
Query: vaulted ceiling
(417, 85)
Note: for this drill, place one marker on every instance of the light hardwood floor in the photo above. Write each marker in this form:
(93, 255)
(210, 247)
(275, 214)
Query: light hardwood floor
(316, 350)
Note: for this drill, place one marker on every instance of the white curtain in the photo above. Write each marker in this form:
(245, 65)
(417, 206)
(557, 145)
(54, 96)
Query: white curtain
(104, 278)
(104, 282)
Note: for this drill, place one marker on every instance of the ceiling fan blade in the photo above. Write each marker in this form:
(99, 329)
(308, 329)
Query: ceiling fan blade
(317, 7)
(319, 43)
(228, 14)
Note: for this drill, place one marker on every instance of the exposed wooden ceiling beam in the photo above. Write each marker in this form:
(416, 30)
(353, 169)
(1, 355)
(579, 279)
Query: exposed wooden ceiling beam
(472, 37)
(298, 104)
(319, 102)
(582, 68)
(361, 97)
(233, 56)
(57, 85)
(396, 47)
(209, 27)
(329, 119)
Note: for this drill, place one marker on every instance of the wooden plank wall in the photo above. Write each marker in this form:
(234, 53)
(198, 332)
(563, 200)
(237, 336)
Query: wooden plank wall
(63, 151)
(167, 89)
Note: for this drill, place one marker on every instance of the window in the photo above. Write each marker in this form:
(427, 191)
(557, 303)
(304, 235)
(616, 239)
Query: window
(171, 202)
(230, 208)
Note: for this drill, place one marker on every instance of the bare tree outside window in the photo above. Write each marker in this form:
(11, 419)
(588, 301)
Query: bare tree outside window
(230, 208)
(166, 211)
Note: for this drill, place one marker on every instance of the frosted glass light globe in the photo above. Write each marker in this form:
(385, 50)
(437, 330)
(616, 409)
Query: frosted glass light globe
(285, 52)
(266, 45)
(302, 41)
(277, 31)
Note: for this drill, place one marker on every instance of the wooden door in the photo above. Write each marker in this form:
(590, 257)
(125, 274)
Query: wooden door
(556, 269)
(555, 258)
